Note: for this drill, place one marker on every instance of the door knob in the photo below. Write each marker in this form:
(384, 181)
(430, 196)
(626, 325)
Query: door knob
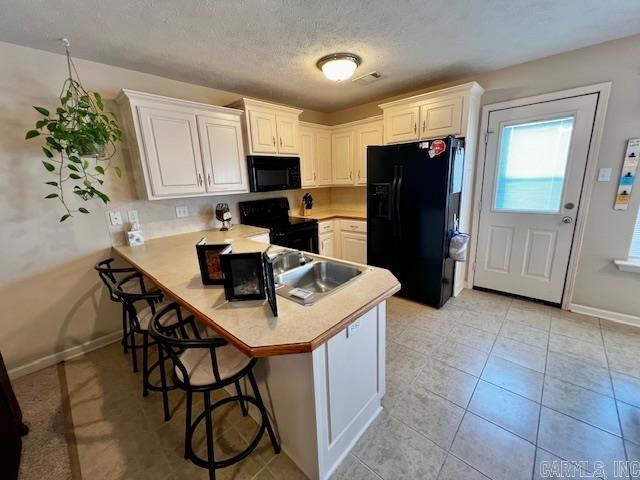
(567, 219)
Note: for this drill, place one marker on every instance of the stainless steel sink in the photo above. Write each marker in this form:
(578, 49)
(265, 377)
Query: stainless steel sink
(289, 259)
(309, 283)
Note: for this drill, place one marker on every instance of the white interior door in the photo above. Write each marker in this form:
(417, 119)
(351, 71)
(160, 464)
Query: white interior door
(534, 170)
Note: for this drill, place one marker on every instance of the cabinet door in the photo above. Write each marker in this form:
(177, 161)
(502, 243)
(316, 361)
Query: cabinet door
(353, 247)
(263, 131)
(327, 244)
(368, 134)
(307, 157)
(401, 124)
(324, 174)
(441, 118)
(342, 144)
(287, 133)
(172, 151)
(222, 154)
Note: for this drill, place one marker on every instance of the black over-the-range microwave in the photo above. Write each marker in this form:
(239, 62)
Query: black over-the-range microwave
(267, 174)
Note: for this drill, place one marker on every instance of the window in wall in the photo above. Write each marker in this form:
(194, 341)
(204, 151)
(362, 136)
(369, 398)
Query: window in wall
(635, 241)
(529, 178)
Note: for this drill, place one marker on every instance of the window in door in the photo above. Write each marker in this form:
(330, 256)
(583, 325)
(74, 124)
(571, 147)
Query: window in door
(531, 166)
(634, 252)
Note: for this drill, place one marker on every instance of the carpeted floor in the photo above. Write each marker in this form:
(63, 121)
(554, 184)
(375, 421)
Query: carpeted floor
(48, 451)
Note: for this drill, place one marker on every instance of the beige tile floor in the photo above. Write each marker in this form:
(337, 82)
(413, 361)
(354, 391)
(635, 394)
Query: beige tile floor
(487, 387)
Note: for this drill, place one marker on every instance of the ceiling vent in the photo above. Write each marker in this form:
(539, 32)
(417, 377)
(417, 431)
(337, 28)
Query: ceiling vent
(367, 78)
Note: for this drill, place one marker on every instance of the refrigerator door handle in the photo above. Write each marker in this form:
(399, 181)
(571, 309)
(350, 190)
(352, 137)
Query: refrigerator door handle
(397, 202)
(393, 200)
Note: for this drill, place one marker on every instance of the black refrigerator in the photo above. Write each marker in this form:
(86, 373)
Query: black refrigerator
(413, 205)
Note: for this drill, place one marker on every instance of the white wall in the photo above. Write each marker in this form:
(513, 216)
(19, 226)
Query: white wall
(51, 298)
(608, 233)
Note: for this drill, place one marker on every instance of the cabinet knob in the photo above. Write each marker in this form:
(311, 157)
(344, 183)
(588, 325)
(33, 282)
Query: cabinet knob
(280, 141)
(424, 126)
(199, 180)
(350, 175)
(274, 141)
(314, 175)
(415, 128)
(209, 178)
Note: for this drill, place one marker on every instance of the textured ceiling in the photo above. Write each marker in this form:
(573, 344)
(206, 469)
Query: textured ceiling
(268, 48)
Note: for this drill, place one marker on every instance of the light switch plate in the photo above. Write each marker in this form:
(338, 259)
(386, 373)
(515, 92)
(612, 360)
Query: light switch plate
(133, 216)
(604, 175)
(182, 211)
(115, 217)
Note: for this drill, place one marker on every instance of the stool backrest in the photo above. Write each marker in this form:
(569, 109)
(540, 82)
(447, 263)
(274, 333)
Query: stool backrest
(130, 300)
(175, 338)
(111, 276)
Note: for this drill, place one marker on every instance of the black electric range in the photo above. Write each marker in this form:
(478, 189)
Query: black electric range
(286, 231)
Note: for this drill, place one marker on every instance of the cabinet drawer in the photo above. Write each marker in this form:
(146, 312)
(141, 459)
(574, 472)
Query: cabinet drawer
(326, 226)
(353, 226)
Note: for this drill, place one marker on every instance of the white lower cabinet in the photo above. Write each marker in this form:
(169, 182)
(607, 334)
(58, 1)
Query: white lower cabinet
(343, 239)
(353, 247)
(326, 244)
(323, 401)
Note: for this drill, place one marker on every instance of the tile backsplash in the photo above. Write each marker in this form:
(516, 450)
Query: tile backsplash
(157, 218)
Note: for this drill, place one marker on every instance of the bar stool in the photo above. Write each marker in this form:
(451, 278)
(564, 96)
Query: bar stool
(138, 319)
(130, 281)
(205, 365)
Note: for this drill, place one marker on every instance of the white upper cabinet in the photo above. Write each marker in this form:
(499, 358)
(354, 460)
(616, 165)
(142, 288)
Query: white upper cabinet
(172, 151)
(315, 155)
(269, 128)
(401, 124)
(366, 134)
(431, 115)
(287, 126)
(181, 148)
(324, 174)
(263, 128)
(342, 156)
(307, 157)
(222, 154)
(440, 118)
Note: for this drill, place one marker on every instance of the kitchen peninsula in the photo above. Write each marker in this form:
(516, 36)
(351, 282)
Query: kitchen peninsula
(324, 372)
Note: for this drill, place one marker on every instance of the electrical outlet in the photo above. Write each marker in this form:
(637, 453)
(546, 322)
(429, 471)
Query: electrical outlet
(182, 211)
(353, 328)
(116, 217)
(133, 216)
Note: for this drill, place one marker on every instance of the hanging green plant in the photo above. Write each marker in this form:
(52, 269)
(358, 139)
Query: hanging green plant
(80, 140)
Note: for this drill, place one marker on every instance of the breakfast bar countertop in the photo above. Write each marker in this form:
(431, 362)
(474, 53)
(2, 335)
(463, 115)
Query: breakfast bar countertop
(172, 264)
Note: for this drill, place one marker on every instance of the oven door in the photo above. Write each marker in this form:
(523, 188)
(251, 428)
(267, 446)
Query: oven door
(302, 238)
(267, 174)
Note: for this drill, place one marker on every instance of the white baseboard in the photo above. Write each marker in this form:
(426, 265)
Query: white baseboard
(606, 314)
(67, 354)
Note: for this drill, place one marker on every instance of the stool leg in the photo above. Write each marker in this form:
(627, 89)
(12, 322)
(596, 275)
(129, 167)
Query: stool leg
(243, 407)
(256, 393)
(209, 426)
(134, 353)
(145, 364)
(187, 424)
(125, 334)
(163, 382)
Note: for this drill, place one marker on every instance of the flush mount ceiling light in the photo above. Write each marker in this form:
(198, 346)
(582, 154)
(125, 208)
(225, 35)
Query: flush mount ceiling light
(339, 66)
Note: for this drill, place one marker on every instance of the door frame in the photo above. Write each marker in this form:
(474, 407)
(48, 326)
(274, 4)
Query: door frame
(603, 90)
